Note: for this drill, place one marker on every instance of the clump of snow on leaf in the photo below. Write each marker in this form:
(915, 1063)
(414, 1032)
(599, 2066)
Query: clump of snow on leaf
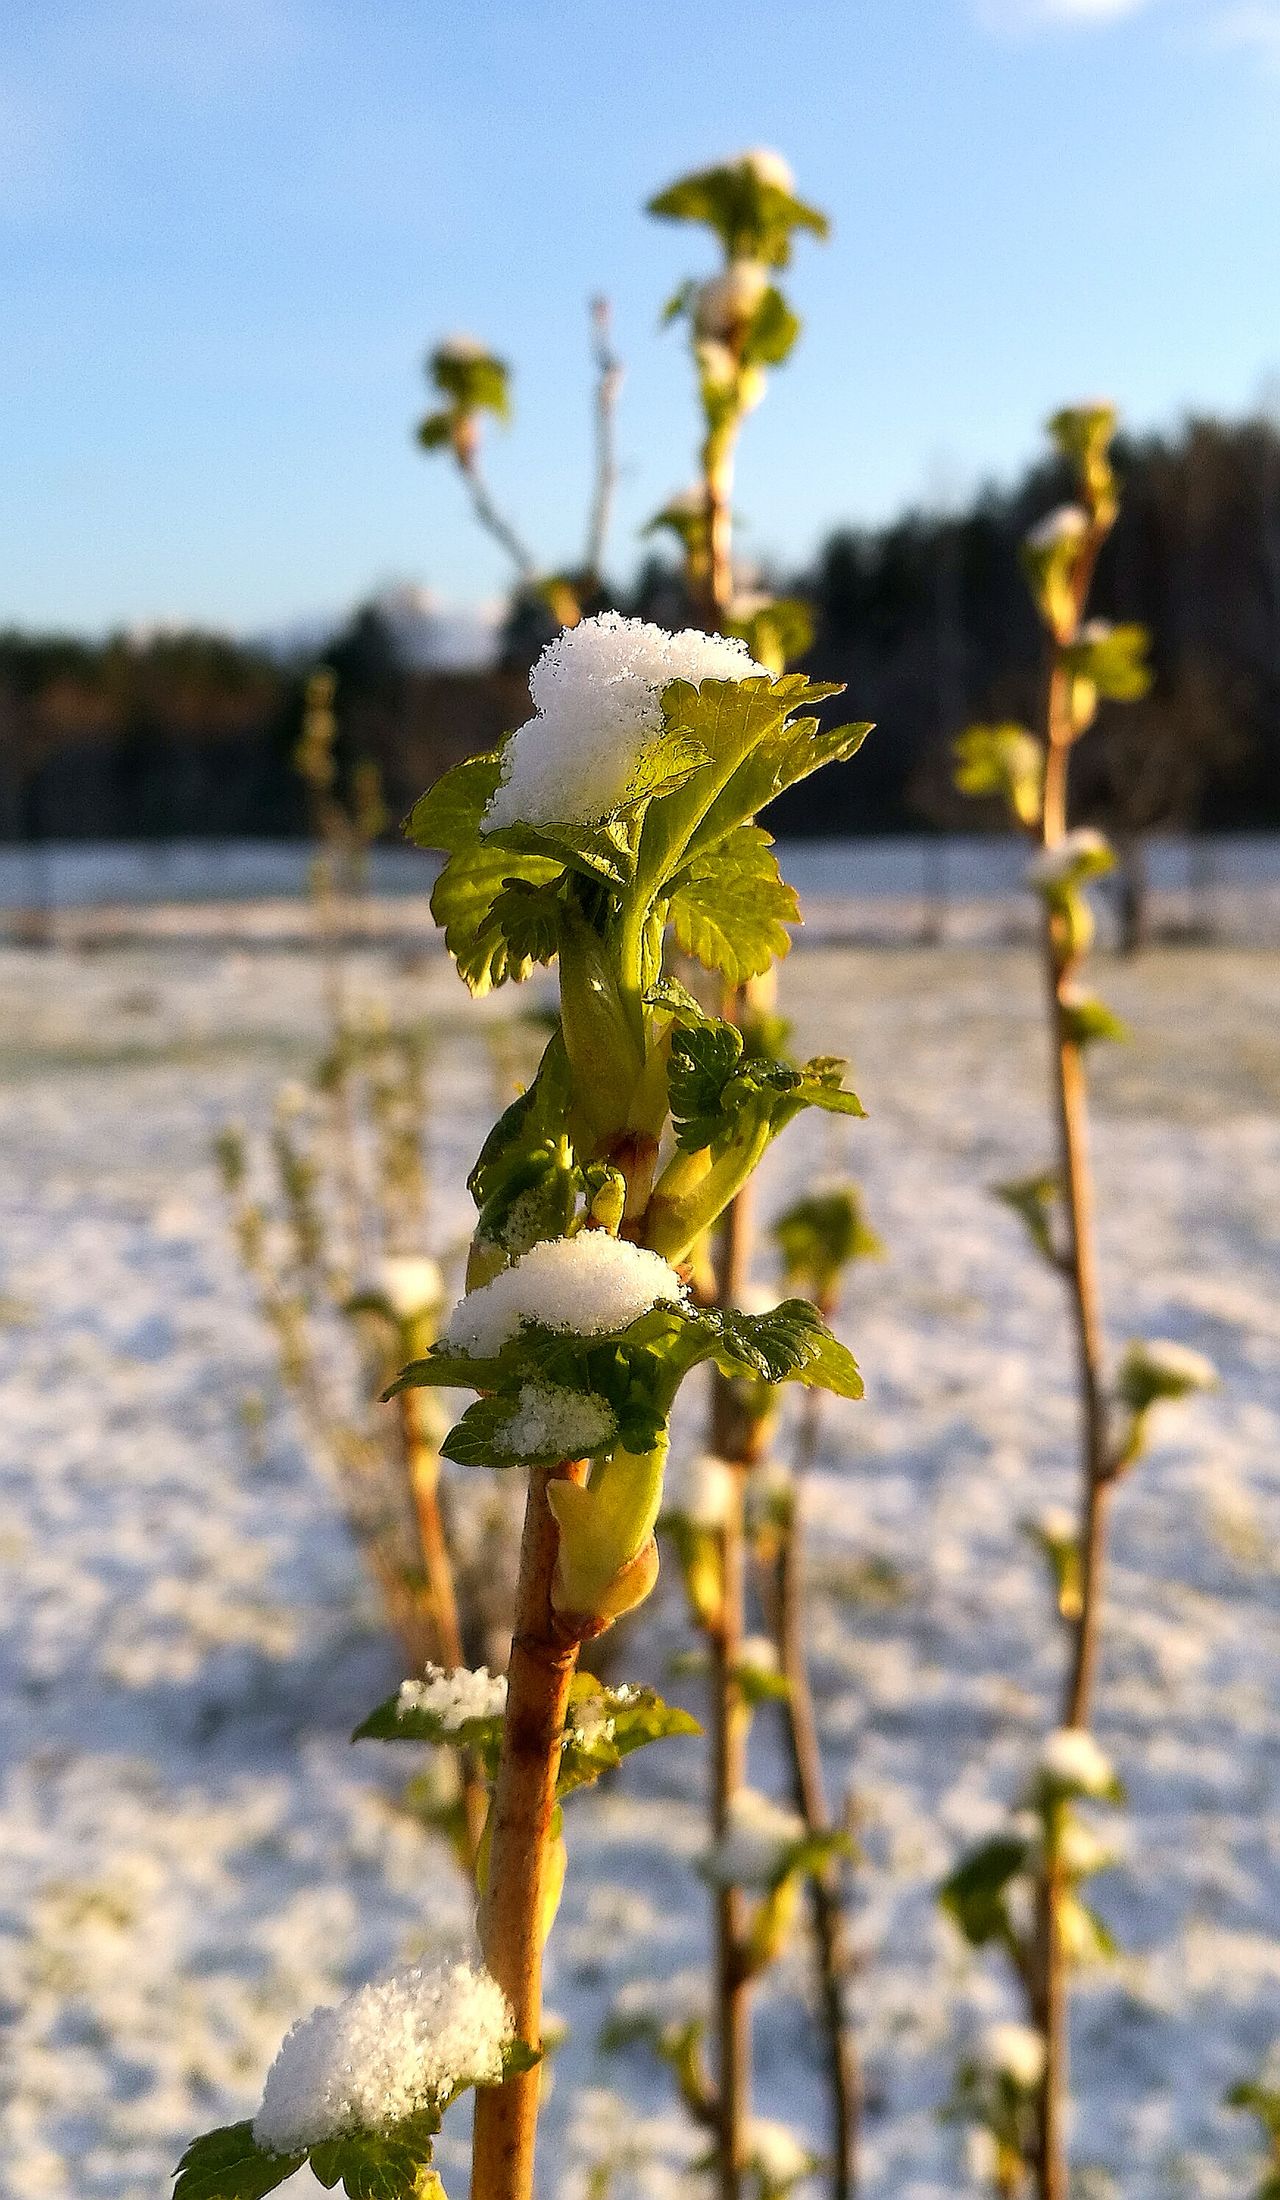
(597, 690)
(590, 1286)
(455, 1697)
(548, 1417)
(757, 1841)
(384, 2053)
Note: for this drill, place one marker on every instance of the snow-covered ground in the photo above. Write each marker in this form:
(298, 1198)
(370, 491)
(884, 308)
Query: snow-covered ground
(192, 1854)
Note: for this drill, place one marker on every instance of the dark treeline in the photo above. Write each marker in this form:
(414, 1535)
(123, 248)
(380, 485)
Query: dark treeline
(926, 620)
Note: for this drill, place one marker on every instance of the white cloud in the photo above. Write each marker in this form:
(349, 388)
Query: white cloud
(1031, 15)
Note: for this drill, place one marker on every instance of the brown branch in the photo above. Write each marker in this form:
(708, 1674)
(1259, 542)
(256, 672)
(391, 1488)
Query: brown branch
(519, 1882)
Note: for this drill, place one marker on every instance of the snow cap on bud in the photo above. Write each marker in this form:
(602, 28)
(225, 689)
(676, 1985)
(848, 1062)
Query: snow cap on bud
(410, 1283)
(1015, 2052)
(729, 300)
(1081, 853)
(767, 167)
(1068, 523)
(1072, 1759)
(776, 2154)
(461, 348)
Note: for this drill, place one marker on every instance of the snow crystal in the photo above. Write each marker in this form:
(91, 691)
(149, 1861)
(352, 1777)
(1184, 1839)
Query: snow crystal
(730, 298)
(590, 1285)
(383, 2053)
(455, 1697)
(1057, 1524)
(409, 1284)
(1052, 865)
(755, 1843)
(597, 692)
(551, 1418)
(1072, 1758)
(1066, 524)
(760, 1654)
(767, 166)
(1014, 2051)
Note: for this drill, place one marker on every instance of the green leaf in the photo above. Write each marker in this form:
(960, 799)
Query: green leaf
(448, 815)
(1085, 1019)
(1112, 659)
(705, 1057)
(1033, 1199)
(228, 2164)
(1006, 761)
(732, 720)
(731, 907)
(975, 1894)
(476, 382)
(485, 931)
(754, 218)
(776, 633)
(771, 332)
(385, 2165)
(1146, 1376)
(604, 1725)
(1262, 2101)
(435, 431)
(819, 1237)
(789, 1340)
(713, 1084)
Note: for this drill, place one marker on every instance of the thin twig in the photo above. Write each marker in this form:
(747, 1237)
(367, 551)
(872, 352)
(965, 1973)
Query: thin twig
(831, 1956)
(492, 520)
(609, 372)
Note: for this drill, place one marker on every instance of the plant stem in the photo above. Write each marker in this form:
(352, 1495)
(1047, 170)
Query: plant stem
(831, 1956)
(730, 1441)
(608, 383)
(513, 1912)
(717, 469)
(492, 520)
(422, 1470)
(1080, 1270)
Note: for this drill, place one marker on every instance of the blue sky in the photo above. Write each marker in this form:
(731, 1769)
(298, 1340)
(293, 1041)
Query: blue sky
(229, 228)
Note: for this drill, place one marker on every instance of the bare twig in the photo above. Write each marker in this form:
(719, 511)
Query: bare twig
(831, 1956)
(609, 373)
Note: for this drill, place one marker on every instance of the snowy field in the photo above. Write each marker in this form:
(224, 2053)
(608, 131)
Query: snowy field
(192, 1853)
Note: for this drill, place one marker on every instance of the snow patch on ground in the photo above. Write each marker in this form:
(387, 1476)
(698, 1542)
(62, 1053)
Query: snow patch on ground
(195, 1855)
